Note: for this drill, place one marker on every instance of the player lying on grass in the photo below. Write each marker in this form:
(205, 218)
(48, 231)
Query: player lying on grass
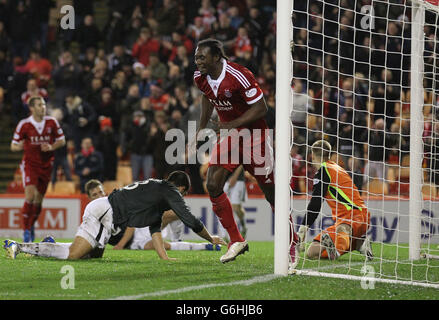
(349, 212)
(140, 238)
(137, 205)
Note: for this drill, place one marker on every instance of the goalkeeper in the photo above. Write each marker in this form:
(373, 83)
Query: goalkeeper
(349, 212)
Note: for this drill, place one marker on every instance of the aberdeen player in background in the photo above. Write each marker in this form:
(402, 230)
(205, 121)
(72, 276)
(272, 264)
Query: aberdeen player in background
(38, 136)
(239, 101)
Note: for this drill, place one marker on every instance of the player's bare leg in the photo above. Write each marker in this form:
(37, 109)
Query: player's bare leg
(216, 179)
(239, 210)
(79, 248)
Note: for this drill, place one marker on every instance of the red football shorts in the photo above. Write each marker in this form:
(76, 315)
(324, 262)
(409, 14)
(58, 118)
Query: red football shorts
(36, 176)
(251, 148)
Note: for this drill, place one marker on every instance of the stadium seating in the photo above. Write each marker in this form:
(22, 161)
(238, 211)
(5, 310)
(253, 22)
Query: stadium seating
(62, 188)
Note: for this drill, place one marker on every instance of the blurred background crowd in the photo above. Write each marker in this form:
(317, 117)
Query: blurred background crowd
(352, 77)
(124, 76)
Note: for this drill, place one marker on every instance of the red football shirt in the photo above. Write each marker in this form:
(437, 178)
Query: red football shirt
(34, 134)
(233, 93)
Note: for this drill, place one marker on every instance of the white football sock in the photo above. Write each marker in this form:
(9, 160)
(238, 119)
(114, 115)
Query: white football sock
(47, 249)
(180, 245)
(187, 246)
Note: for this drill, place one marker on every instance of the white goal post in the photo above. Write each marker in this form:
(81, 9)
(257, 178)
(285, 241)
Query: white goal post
(413, 249)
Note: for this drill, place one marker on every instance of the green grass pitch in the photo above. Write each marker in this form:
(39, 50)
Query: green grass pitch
(198, 275)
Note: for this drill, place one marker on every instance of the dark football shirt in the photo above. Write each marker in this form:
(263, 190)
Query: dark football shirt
(142, 203)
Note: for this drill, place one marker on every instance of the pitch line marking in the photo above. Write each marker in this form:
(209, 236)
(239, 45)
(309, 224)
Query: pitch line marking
(248, 282)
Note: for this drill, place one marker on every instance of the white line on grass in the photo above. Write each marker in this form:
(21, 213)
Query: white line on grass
(258, 279)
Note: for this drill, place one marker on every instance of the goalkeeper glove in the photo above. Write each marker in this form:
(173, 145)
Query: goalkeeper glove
(302, 234)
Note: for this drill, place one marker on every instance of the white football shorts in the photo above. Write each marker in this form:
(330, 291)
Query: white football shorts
(97, 223)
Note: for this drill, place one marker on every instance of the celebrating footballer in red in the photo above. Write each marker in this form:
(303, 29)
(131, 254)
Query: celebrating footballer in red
(38, 136)
(239, 101)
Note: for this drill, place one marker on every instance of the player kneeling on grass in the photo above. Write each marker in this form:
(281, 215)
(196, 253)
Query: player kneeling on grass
(140, 238)
(349, 212)
(137, 205)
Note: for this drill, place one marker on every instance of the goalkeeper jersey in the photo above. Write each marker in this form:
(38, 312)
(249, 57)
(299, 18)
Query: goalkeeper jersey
(333, 183)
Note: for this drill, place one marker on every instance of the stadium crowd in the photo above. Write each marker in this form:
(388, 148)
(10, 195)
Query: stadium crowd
(117, 90)
(351, 75)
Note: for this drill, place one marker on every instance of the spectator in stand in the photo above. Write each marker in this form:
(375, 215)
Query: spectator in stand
(207, 12)
(181, 100)
(119, 85)
(297, 183)
(88, 35)
(224, 32)
(144, 46)
(375, 152)
(81, 118)
(61, 153)
(107, 109)
(235, 19)
(157, 139)
(32, 90)
(19, 31)
(88, 163)
(88, 61)
(6, 70)
(5, 41)
(198, 31)
(174, 78)
(128, 105)
(244, 56)
(137, 137)
(185, 63)
(39, 68)
(132, 32)
(93, 92)
(146, 82)
(159, 99)
(300, 108)
(118, 58)
(169, 48)
(241, 41)
(114, 31)
(107, 145)
(66, 78)
(167, 18)
(159, 71)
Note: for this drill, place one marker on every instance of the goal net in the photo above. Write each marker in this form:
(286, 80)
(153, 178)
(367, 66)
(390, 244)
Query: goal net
(364, 77)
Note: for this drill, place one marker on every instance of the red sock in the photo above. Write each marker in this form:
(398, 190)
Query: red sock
(223, 209)
(36, 210)
(26, 213)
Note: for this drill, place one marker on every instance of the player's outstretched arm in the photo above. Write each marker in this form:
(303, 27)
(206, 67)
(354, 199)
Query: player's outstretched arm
(212, 239)
(159, 246)
(128, 234)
